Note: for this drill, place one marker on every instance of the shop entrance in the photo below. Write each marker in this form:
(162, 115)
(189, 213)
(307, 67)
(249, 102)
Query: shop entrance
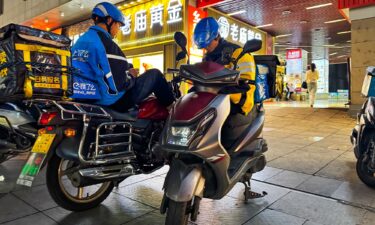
(147, 61)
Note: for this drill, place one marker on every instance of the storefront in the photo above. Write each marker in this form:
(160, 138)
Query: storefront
(147, 37)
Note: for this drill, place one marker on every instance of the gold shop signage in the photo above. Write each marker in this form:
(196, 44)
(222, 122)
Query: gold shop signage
(151, 22)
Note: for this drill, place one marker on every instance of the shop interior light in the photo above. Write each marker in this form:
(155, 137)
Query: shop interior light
(328, 45)
(46, 20)
(48, 29)
(265, 25)
(349, 41)
(236, 13)
(283, 35)
(303, 21)
(132, 3)
(319, 6)
(335, 21)
(340, 56)
(333, 53)
(81, 6)
(344, 32)
(62, 14)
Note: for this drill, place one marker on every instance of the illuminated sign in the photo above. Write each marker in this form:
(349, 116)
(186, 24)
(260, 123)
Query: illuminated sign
(234, 32)
(294, 53)
(153, 17)
(174, 11)
(194, 16)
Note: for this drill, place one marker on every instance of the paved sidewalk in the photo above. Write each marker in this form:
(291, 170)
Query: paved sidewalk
(310, 179)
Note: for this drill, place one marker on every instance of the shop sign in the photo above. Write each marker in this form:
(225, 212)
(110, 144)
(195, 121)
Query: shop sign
(154, 16)
(194, 16)
(294, 54)
(237, 33)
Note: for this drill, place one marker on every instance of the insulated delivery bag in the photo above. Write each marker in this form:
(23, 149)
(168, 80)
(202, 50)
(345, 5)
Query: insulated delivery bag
(34, 63)
(368, 87)
(265, 80)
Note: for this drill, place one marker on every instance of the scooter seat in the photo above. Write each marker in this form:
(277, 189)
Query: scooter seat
(122, 116)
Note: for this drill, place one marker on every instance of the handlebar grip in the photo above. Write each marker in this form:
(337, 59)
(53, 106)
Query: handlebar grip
(169, 70)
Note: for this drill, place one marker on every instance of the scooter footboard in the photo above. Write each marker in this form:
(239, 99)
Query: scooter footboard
(184, 181)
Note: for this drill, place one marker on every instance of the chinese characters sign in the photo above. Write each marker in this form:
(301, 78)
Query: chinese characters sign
(151, 22)
(168, 11)
(236, 31)
(293, 54)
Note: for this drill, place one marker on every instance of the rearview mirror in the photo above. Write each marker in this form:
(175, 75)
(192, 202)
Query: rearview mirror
(252, 45)
(180, 55)
(181, 40)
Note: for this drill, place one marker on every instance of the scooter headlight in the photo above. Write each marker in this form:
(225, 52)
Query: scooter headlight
(184, 135)
(181, 135)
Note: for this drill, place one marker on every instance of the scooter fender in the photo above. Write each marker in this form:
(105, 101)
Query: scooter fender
(184, 181)
(68, 149)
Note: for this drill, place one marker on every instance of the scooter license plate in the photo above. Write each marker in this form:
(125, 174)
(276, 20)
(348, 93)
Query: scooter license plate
(43, 143)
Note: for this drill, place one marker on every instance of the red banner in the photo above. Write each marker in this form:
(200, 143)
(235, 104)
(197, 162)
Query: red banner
(293, 53)
(194, 15)
(207, 3)
(342, 4)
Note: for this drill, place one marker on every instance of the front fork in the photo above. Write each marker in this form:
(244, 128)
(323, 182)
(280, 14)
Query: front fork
(184, 183)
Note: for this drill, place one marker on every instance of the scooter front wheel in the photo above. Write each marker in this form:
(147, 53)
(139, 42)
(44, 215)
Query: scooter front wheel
(177, 213)
(364, 172)
(65, 194)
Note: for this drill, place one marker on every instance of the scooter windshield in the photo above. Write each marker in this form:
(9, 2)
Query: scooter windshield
(209, 73)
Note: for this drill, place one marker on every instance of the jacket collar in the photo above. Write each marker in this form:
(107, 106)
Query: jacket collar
(97, 28)
(215, 55)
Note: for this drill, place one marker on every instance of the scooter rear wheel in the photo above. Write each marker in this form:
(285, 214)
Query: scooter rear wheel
(68, 196)
(366, 175)
(177, 213)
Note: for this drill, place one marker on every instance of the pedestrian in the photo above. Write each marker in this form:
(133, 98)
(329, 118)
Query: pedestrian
(290, 90)
(312, 77)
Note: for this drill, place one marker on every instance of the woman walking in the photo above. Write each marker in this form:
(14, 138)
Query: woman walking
(312, 77)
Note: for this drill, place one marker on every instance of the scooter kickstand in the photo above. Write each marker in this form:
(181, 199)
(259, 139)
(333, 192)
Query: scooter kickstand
(251, 194)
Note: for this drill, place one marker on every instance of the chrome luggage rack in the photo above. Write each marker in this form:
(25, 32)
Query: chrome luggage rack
(74, 108)
(76, 111)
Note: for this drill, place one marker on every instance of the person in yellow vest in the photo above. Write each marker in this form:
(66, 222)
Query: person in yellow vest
(206, 36)
(312, 77)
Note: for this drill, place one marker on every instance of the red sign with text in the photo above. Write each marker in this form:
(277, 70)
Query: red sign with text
(293, 54)
(207, 3)
(194, 15)
(342, 4)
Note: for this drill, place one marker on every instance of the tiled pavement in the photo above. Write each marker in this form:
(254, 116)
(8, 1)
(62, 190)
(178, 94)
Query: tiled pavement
(310, 180)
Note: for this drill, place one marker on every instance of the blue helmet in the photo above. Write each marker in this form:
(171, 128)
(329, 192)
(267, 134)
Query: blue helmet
(206, 30)
(105, 9)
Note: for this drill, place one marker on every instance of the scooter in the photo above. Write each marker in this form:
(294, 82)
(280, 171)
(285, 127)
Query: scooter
(18, 129)
(363, 139)
(89, 149)
(193, 141)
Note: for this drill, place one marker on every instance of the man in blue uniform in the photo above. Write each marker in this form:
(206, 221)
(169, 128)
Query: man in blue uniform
(101, 59)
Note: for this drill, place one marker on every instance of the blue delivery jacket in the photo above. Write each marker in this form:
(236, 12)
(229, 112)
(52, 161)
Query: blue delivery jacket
(101, 61)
